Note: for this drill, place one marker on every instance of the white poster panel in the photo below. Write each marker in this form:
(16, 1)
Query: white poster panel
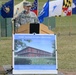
(34, 54)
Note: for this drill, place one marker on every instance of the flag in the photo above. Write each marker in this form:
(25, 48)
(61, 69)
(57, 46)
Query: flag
(18, 9)
(74, 7)
(67, 8)
(51, 8)
(44, 12)
(7, 9)
(34, 7)
(55, 8)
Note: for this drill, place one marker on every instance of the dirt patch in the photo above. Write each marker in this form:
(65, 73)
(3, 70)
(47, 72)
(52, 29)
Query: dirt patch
(68, 73)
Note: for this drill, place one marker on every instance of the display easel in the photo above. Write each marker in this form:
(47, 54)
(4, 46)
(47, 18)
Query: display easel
(16, 31)
(11, 68)
(29, 28)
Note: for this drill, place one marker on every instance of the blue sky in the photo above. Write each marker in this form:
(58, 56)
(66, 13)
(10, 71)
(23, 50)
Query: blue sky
(43, 42)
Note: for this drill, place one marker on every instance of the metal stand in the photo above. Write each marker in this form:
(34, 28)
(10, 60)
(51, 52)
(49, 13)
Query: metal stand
(14, 20)
(8, 69)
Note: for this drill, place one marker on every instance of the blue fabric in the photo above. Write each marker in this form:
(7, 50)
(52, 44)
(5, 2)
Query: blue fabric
(44, 12)
(7, 9)
(74, 8)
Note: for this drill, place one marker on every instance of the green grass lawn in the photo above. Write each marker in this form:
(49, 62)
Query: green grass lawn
(17, 1)
(66, 45)
(5, 51)
(66, 52)
(64, 25)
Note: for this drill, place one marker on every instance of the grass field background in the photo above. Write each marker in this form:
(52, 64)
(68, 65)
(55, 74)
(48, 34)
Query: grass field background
(66, 44)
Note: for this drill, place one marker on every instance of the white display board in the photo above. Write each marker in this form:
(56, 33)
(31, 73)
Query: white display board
(34, 54)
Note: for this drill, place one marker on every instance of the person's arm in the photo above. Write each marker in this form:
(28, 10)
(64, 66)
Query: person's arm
(18, 20)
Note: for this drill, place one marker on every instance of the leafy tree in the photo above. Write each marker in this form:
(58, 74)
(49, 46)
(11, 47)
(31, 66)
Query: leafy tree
(53, 46)
(19, 43)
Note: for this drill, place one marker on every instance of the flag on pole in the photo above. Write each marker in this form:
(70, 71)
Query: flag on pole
(34, 7)
(55, 8)
(44, 12)
(18, 9)
(51, 8)
(67, 8)
(7, 9)
(74, 7)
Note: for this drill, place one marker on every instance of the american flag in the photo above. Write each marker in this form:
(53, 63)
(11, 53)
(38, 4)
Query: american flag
(34, 7)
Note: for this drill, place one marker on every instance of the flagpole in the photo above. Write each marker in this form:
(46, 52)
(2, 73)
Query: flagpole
(48, 16)
(38, 7)
(12, 41)
(70, 25)
(0, 26)
(48, 23)
(70, 20)
(59, 25)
